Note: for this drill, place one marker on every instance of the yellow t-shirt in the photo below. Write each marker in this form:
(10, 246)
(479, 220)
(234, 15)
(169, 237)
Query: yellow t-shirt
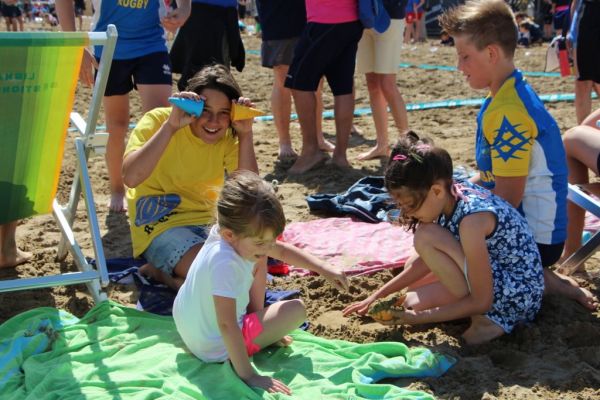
(184, 186)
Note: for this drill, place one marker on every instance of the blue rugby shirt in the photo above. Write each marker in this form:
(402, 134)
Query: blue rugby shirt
(517, 136)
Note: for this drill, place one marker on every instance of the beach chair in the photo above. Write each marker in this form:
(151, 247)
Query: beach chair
(586, 197)
(38, 78)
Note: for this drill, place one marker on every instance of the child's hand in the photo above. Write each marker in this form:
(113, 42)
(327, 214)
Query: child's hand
(269, 384)
(359, 308)
(179, 118)
(243, 127)
(86, 71)
(336, 277)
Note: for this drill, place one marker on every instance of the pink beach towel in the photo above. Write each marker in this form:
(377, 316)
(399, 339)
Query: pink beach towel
(357, 247)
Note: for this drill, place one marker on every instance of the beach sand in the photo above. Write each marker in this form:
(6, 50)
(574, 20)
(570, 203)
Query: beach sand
(556, 357)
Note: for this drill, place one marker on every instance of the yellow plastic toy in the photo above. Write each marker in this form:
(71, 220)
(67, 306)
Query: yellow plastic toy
(239, 112)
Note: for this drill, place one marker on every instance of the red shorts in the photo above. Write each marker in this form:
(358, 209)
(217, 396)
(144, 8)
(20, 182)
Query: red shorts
(412, 17)
(251, 328)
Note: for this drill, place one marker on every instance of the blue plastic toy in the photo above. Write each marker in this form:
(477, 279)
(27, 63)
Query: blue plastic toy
(192, 107)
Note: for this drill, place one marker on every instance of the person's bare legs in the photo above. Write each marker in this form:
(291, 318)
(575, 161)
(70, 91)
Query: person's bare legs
(383, 92)
(10, 254)
(380, 118)
(582, 146)
(179, 272)
(583, 101)
(281, 104)
(324, 144)
(343, 106)
(116, 111)
(310, 155)
(395, 101)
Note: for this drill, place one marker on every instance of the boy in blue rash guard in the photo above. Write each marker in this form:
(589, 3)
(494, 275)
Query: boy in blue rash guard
(518, 146)
(140, 61)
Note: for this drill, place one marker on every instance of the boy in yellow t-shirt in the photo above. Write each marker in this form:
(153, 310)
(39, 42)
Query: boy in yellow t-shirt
(174, 168)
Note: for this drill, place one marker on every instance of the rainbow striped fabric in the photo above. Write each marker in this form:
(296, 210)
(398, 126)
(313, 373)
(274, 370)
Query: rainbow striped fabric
(38, 77)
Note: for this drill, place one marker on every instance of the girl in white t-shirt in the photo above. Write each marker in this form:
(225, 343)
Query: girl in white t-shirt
(219, 311)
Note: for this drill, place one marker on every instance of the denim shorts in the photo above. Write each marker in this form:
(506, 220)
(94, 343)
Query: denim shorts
(166, 249)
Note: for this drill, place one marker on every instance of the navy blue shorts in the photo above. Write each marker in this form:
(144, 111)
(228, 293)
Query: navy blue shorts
(325, 50)
(550, 253)
(151, 69)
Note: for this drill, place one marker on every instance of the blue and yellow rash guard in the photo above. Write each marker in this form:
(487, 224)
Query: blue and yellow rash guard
(138, 26)
(516, 136)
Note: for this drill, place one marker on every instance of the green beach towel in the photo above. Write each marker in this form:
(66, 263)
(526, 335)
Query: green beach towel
(115, 352)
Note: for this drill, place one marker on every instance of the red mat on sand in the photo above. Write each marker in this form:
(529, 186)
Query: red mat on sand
(357, 247)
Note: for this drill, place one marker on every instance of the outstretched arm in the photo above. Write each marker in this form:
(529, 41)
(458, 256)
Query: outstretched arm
(414, 270)
(295, 256)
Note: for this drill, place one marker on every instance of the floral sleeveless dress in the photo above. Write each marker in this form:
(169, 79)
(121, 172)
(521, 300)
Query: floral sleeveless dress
(516, 265)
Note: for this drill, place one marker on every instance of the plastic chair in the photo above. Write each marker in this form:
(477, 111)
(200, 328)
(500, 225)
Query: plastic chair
(39, 73)
(585, 196)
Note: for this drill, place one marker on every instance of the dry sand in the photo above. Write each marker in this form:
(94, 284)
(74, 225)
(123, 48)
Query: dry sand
(556, 357)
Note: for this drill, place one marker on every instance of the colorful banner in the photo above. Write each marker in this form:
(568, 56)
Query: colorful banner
(38, 77)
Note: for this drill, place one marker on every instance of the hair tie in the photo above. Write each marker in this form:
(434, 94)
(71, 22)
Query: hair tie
(399, 157)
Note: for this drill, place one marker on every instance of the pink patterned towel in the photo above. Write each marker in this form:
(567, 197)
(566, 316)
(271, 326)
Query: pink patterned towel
(357, 247)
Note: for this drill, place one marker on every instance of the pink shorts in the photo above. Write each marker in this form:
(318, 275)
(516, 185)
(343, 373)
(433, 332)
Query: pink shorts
(251, 328)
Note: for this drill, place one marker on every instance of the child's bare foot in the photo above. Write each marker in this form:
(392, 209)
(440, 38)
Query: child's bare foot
(325, 144)
(286, 152)
(117, 203)
(374, 152)
(307, 162)
(482, 330)
(150, 271)
(14, 258)
(557, 283)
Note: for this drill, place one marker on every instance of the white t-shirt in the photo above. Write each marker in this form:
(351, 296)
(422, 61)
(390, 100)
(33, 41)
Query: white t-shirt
(217, 270)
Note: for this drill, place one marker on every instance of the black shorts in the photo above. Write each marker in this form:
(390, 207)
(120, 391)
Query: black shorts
(588, 43)
(11, 11)
(550, 253)
(325, 50)
(277, 52)
(151, 69)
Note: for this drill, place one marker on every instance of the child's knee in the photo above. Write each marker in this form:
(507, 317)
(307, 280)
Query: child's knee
(297, 308)
(425, 236)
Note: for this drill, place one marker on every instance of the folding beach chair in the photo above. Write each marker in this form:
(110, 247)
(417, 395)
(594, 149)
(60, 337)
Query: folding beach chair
(38, 77)
(586, 197)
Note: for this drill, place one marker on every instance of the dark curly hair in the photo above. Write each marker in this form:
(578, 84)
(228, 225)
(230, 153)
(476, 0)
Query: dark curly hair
(416, 164)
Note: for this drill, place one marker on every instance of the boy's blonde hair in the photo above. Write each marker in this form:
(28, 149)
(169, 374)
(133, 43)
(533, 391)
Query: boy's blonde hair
(485, 22)
(248, 206)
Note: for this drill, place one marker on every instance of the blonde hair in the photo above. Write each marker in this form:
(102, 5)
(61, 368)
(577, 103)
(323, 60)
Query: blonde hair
(248, 206)
(485, 22)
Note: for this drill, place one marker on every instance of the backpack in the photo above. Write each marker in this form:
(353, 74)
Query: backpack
(372, 14)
